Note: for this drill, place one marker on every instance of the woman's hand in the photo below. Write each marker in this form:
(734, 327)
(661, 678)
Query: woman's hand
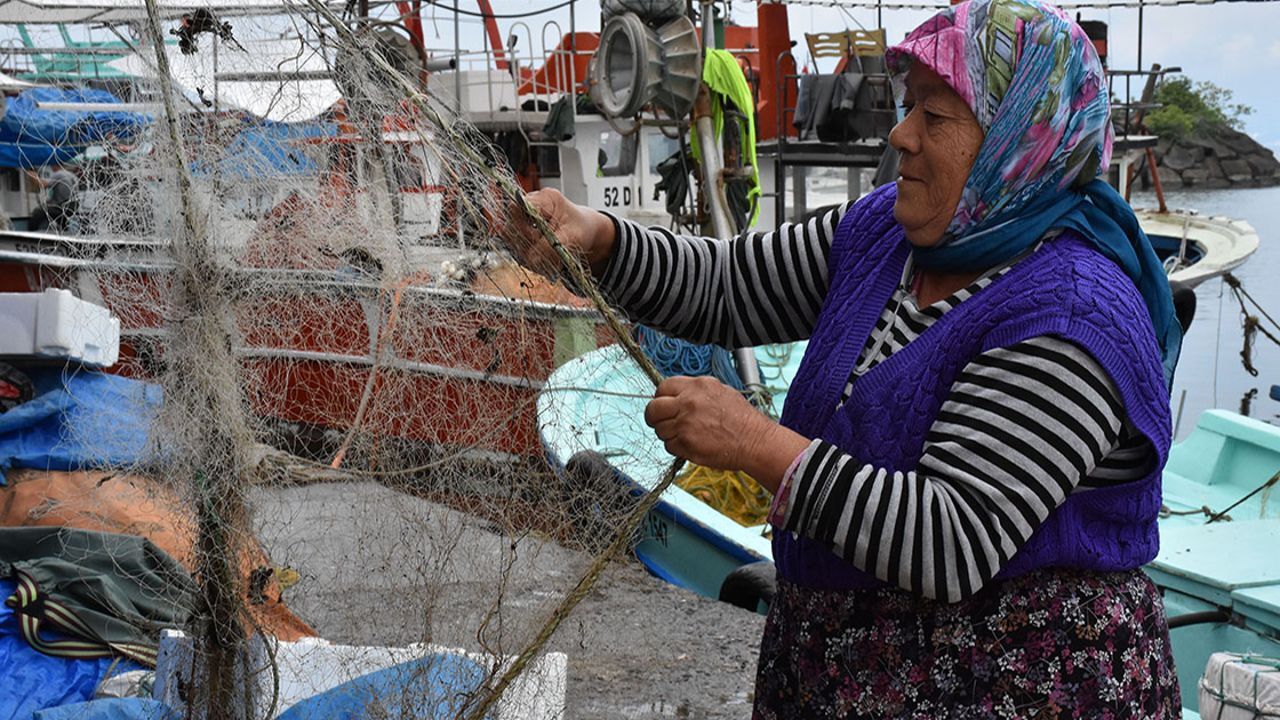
(706, 422)
(583, 232)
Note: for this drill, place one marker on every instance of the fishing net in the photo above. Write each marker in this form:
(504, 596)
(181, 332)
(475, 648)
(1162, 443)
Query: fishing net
(307, 247)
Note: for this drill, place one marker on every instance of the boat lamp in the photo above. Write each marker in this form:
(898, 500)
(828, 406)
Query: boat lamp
(638, 64)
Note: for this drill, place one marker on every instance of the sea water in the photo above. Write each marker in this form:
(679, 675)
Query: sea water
(1210, 372)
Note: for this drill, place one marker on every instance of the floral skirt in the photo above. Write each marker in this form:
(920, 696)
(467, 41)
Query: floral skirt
(1049, 644)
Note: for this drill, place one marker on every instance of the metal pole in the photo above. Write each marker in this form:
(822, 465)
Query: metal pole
(457, 60)
(713, 176)
(1140, 66)
(573, 54)
(457, 107)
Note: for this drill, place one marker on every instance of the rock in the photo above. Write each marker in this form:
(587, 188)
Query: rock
(1263, 164)
(1214, 167)
(1211, 146)
(1195, 176)
(1217, 159)
(1241, 143)
(1177, 158)
(1169, 178)
(1237, 170)
(1220, 150)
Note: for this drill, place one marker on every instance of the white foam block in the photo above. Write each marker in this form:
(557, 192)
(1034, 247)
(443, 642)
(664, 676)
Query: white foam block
(57, 324)
(311, 666)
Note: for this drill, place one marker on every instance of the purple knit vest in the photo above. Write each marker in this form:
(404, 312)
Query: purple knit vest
(1067, 289)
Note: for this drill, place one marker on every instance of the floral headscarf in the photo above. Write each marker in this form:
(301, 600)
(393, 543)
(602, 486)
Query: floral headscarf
(1035, 84)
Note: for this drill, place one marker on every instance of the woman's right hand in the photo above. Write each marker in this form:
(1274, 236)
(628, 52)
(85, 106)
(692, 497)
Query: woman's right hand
(581, 230)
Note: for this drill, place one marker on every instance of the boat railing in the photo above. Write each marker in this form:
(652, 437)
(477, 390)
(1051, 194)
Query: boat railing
(793, 149)
(88, 62)
(1128, 114)
(539, 70)
(1134, 144)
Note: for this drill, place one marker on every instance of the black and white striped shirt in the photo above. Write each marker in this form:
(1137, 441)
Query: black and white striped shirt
(1022, 427)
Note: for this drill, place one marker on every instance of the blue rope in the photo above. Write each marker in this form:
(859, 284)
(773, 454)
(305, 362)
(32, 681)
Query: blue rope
(673, 356)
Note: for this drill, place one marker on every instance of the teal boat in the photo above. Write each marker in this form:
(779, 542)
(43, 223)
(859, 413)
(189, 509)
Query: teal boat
(1220, 526)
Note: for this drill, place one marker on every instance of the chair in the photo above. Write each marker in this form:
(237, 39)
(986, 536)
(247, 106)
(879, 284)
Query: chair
(855, 102)
(846, 44)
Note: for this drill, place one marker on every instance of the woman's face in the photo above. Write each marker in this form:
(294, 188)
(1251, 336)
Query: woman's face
(938, 139)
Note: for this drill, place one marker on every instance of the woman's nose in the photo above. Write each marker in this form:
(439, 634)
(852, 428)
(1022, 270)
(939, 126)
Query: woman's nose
(904, 137)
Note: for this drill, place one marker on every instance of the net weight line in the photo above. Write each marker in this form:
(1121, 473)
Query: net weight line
(200, 335)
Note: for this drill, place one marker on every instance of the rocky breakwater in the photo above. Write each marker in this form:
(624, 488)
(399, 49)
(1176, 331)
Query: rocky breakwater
(1221, 158)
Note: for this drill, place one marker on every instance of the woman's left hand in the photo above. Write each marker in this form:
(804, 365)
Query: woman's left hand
(706, 422)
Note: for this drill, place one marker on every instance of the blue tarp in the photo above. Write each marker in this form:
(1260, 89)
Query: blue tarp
(429, 688)
(267, 149)
(78, 420)
(31, 137)
(31, 681)
(111, 709)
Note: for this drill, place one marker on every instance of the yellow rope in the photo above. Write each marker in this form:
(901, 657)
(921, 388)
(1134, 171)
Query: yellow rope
(734, 494)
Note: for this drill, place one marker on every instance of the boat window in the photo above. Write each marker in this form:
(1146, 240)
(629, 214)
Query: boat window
(617, 155)
(547, 159)
(660, 148)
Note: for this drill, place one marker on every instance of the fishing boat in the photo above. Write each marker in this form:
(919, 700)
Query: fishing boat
(472, 334)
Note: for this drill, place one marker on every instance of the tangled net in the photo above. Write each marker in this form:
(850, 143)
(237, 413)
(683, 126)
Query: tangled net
(307, 250)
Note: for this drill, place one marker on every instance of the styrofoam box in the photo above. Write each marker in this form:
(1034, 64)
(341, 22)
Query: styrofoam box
(57, 324)
(311, 666)
(1238, 687)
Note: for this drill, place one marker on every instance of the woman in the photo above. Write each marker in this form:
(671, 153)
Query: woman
(967, 469)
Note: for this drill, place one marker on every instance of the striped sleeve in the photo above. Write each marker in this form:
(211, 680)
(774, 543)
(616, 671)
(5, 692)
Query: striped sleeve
(1022, 428)
(756, 289)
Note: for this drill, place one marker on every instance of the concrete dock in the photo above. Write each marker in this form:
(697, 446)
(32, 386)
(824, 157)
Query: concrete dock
(379, 567)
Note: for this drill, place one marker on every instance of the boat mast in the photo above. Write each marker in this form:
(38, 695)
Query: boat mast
(713, 182)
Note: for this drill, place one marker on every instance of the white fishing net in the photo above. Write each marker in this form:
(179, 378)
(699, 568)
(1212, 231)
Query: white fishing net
(307, 250)
(309, 253)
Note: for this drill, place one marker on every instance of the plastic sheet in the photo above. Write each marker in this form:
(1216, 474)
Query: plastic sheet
(78, 420)
(31, 136)
(110, 709)
(33, 681)
(432, 687)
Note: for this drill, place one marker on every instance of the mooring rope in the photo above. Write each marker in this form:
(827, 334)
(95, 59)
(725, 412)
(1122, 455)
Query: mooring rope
(1252, 323)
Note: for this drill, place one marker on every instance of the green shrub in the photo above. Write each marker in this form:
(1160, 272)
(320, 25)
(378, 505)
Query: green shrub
(1198, 108)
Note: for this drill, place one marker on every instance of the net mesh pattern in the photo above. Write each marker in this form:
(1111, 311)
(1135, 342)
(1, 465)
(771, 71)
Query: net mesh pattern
(307, 249)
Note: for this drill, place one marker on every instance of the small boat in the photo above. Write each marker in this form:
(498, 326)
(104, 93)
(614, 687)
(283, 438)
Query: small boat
(1219, 527)
(1197, 247)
